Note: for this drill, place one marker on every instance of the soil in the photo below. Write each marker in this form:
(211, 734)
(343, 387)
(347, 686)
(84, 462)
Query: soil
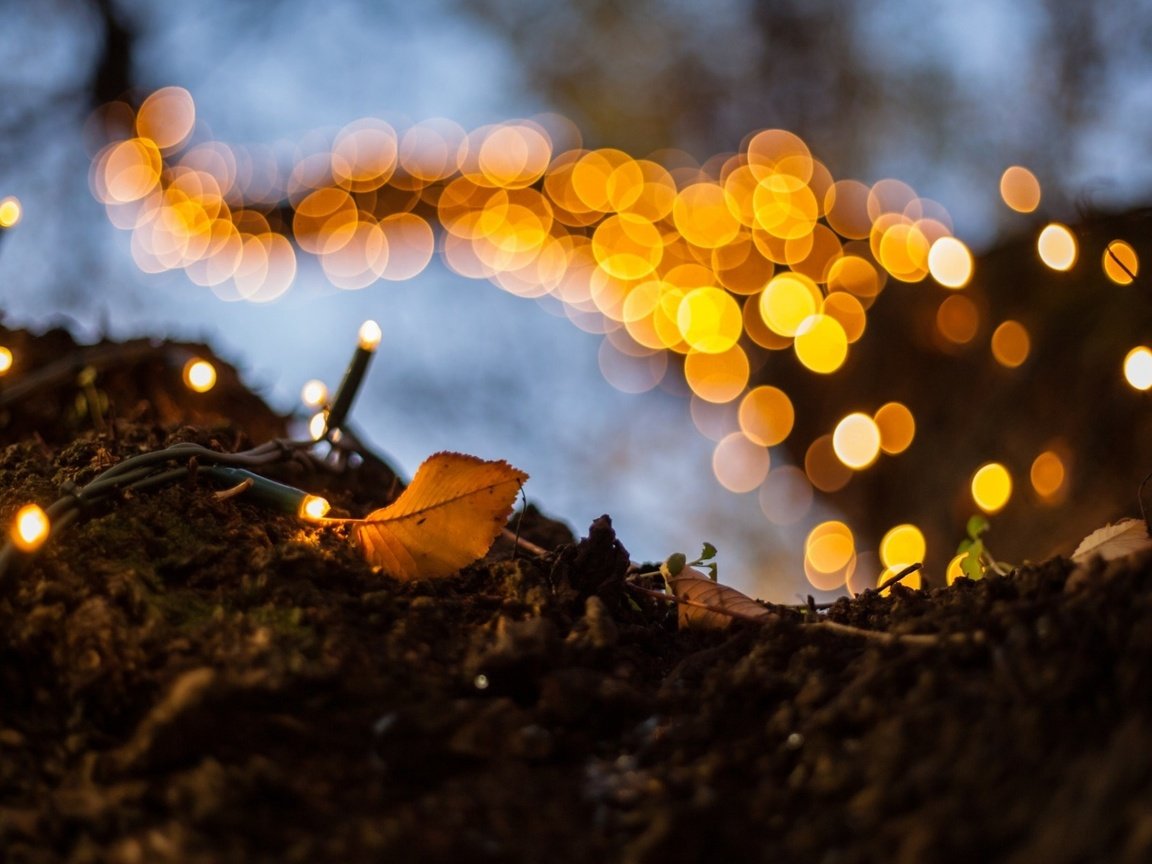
(190, 679)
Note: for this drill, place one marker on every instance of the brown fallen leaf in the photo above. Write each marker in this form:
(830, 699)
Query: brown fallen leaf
(1114, 541)
(708, 605)
(1126, 537)
(447, 518)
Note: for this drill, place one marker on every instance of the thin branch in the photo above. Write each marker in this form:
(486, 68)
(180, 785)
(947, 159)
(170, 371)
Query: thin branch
(976, 636)
(899, 577)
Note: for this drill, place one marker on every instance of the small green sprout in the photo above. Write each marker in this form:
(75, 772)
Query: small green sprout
(978, 559)
(675, 563)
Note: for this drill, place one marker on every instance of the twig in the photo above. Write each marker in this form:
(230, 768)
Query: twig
(899, 577)
(526, 545)
(886, 638)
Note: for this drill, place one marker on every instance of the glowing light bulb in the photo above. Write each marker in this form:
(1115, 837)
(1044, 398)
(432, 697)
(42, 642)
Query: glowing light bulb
(31, 528)
(314, 393)
(370, 335)
(199, 375)
(10, 211)
(1138, 368)
(314, 507)
(5, 360)
(318, 425)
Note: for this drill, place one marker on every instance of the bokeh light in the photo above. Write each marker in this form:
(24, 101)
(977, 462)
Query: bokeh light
(740, 465)
(1121, 264)
(829, 555)
(1020, 189)
(166, 117)
(1057, 246)
(5, 359)
(1011, 344)
(1047, 475)
(950, 262)
(314, 394)
(958, 319)
(991, 487)
(823, 467)
(821, 344)
(901, 546)
(766, 415)
(1138, 368)
(10, 211)
(897, 427)
(199, 375)
(856, 441)
(953, 570)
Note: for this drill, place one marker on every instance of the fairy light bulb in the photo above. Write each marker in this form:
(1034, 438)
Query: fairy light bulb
(199, 375)
(31, 528)
(318, 425)
(370, 335)
(314, 507)
(5, 360)
(368, 340)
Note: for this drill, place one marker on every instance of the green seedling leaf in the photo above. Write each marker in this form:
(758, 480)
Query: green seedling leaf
(977, 525)
(707, 553)
(712, 569)
(970, 564)
(673, 565)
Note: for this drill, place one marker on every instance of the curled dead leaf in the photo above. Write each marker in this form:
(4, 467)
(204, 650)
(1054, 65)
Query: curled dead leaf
(447, 518)
(1114, 541)
(1126, 537)
(707, 605)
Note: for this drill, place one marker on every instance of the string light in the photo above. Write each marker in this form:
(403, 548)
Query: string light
(5, 360)
(269, 493)
(369, 338)
(30, 528)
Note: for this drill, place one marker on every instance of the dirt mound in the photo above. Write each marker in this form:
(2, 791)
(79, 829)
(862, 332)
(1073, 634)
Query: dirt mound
(196, 679)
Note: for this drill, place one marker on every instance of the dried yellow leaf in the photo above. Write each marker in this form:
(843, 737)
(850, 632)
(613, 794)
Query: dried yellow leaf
(447, 518)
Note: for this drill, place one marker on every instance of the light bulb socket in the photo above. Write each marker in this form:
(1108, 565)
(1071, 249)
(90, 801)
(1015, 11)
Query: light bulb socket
(267, 493)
